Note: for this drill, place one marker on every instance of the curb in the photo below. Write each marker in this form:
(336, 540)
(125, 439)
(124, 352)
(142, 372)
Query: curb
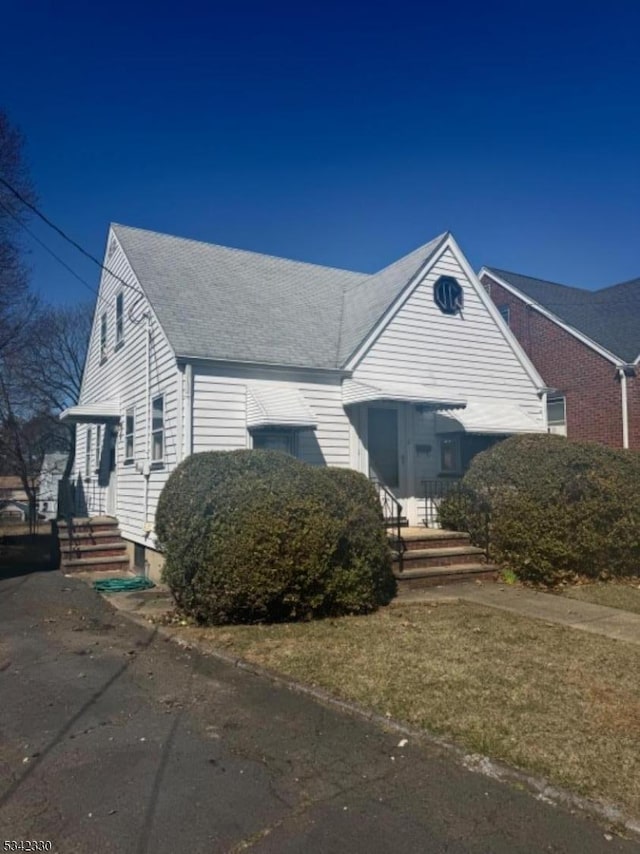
(540, 787)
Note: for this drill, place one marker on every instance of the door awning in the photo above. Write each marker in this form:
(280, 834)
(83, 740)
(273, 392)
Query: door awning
(92, 413)
(489, 416)
(278, 406)
(357, 391)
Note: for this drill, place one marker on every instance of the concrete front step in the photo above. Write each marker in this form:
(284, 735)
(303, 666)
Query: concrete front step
(95, 564)
(70, 552)
(417, 579)
(94, 525)
(424, 558)
(443, 539)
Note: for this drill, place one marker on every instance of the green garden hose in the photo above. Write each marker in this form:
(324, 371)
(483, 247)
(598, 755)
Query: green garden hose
(122, 585)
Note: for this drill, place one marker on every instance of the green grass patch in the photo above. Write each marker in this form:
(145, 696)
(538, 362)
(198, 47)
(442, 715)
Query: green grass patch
(545, 698)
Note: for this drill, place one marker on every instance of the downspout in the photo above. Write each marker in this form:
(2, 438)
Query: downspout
(625, 408)
(146, 472)
(180, 418)
(188, 410)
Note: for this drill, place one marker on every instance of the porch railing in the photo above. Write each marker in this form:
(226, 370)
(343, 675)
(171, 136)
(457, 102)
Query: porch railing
(393, 518)
(434, 491)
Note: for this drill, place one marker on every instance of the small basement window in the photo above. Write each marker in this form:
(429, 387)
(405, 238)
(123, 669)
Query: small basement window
(138, 556)
(157, 429)
(557, 415)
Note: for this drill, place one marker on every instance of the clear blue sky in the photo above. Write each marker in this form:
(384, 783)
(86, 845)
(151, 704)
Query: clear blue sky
(339, 133)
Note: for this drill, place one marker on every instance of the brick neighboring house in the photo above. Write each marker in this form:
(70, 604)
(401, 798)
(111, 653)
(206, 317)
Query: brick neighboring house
(585, 345)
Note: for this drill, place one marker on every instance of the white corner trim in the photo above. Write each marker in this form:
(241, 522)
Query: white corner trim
(396, 305)
(580, 336)
(518, 351)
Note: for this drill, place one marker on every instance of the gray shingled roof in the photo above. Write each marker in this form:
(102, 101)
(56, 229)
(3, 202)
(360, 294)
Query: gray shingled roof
(609, 316)
(220, 303)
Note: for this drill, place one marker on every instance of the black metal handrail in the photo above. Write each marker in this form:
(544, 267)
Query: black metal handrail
(392, 515)
(434, 491)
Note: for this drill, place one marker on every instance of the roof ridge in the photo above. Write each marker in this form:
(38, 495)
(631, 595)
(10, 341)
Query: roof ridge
(241, 251)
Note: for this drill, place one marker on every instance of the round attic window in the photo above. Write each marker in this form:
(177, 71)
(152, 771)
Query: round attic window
(447, 295)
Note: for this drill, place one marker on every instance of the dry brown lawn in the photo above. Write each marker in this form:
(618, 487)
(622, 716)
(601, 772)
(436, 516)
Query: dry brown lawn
(542, 697)
(616, 594)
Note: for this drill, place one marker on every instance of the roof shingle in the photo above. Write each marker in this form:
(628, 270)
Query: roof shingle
(214, 302)
(609, 316)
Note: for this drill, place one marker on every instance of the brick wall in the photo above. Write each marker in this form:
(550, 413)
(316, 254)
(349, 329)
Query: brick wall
(588, 381)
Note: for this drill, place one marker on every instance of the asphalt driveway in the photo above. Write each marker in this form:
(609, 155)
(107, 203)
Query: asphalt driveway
(114, 739)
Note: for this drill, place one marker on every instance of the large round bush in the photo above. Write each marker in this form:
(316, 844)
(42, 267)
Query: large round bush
(551, 509)
(259, 536)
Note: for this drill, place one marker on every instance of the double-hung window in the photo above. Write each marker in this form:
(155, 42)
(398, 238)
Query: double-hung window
(120, 319)
(129, 433)
(157, 429)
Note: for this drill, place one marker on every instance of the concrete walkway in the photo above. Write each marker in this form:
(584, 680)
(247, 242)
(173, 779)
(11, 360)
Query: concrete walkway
(596, 619)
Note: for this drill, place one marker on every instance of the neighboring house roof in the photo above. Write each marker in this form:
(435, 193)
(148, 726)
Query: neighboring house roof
(214, 302)
(10, 481)
(610, 316)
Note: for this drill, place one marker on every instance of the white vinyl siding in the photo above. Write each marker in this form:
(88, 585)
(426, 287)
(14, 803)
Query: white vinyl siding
(220, 411)
(123, 378)
(466, 354)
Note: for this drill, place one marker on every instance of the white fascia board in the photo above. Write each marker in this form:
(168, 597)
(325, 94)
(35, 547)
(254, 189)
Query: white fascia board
(580, 336)
(395, 306)
(518, 351)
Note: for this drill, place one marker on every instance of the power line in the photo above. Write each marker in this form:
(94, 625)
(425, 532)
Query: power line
(66, 237)
(50, 251)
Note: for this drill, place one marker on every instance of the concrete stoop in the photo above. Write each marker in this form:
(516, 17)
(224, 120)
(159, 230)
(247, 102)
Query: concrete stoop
(433, 557)
(92, 544)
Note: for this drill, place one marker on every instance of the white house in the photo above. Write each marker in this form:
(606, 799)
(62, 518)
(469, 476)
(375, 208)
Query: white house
(402, 375)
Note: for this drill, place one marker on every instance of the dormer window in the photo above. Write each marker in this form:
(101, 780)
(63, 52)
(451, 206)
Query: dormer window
(448, 296)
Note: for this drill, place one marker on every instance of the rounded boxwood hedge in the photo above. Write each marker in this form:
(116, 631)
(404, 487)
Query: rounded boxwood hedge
(551, 509)
(253, 536)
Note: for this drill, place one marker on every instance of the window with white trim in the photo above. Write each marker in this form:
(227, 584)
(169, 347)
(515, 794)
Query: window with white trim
(120, 319)
(274, 439)
(103, 338)
(557, 415)
(129, 435)
(87, 454)
(157, 429)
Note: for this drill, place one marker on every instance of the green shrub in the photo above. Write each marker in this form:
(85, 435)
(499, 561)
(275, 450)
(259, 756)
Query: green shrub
(259, 536)
(550, 509)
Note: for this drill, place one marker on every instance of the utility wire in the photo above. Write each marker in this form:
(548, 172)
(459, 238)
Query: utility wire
(66, 236)
(49, 250)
